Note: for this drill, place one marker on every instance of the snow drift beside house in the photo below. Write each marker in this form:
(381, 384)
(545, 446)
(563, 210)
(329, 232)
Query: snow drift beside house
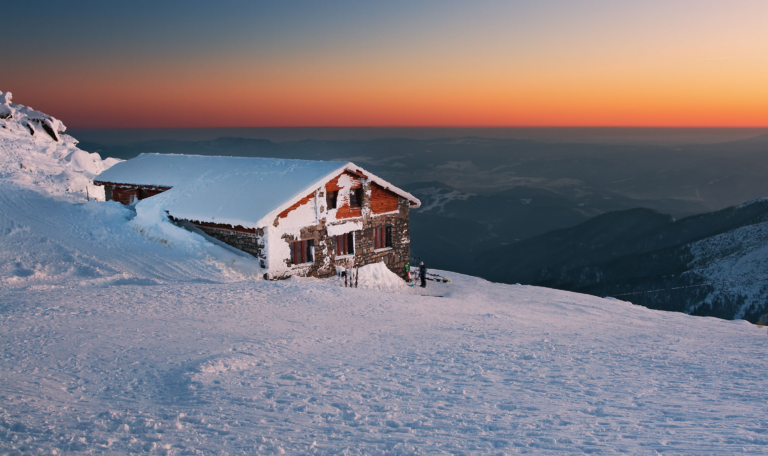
(35, 152)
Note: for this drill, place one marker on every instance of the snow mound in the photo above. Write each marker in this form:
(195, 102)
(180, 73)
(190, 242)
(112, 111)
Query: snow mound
(376, 277)
(35, 152)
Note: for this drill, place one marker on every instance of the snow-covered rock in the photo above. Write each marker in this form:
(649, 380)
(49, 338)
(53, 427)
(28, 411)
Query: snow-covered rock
(36, 152)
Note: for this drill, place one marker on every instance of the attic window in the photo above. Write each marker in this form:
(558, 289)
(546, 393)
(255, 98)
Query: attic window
(302, 252)
(382, 237)
(330, 199)
(356, 197)
(345, 244)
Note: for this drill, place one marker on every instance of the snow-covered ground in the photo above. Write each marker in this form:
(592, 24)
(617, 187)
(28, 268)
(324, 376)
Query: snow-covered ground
(122, 335)
(306, 366)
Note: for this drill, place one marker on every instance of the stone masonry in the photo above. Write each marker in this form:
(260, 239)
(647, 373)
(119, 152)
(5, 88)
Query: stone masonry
(247, 242)
(325, 263)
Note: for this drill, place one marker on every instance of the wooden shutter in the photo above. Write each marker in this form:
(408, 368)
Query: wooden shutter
(345, 244)
(382, 237)
(302, 252)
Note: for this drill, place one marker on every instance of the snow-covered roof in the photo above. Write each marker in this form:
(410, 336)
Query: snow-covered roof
(230, 190)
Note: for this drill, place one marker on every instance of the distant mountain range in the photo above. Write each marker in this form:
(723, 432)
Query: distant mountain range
(452, 226)
(713, 264)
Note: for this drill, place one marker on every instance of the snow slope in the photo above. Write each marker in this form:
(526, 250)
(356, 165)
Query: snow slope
(307, 367)
(115, 342)
(118, 337)
(53, 242)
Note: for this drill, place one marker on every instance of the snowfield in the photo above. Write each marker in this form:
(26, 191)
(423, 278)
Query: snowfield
(126, 335)
(307, 366)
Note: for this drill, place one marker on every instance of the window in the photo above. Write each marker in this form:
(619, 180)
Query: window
(330, 199)
(382, 237)
(356, 197)
(302, 252)
(345, 244)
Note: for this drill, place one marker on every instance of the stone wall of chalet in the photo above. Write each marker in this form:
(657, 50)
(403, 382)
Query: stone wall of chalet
(325, 263)
(400, 252)
(247, 242)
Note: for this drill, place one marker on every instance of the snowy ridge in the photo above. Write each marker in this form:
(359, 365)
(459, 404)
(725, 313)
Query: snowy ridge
(35, 152)
(736, 264)
(749, 203)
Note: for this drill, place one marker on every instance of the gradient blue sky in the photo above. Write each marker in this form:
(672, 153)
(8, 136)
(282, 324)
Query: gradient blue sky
(397, 63)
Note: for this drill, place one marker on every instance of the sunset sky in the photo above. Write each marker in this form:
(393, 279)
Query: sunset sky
(98, 64)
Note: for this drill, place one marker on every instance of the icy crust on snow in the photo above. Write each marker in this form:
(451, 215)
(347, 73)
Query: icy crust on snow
(35, 152)
(740, 270)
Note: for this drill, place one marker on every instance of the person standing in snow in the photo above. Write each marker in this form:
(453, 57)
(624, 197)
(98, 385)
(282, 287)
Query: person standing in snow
(423, 275)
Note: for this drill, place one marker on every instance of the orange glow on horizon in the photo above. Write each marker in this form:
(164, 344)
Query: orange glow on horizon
(408, 93)
(677, 100)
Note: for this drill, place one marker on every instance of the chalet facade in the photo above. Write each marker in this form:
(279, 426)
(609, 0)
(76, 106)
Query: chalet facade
(298, 217)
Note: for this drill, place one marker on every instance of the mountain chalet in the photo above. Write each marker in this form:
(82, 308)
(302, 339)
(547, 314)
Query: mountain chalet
(298, 217)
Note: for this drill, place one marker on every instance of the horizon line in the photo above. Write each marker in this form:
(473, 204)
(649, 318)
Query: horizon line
(435, 126)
